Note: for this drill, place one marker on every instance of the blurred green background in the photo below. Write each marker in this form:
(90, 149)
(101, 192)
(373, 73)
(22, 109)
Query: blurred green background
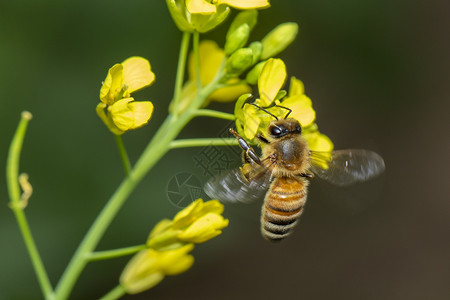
(378, 74)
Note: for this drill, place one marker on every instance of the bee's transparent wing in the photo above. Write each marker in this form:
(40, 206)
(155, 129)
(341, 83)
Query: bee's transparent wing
(345, 167)
(232, 186)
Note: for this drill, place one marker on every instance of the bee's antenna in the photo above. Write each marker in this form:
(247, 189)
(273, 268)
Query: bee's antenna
(264, 110)
(287, 108)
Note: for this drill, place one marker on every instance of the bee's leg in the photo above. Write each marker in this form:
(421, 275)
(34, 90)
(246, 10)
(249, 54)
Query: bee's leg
(262, 139)
(307, 175)
(249, 153)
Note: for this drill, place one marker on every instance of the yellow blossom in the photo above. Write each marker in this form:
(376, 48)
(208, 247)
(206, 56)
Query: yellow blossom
(117, 108)
(197, 223)
(271, 79)
(299, 103)
(210, 7)
(148, 267)
(204, 228)
(250, 120)
(204, 15)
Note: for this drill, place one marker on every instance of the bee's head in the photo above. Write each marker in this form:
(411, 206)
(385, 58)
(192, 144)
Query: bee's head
(280, 128)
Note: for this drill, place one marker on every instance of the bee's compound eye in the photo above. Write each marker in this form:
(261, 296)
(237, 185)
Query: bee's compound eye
(298, 129)
(274, 130)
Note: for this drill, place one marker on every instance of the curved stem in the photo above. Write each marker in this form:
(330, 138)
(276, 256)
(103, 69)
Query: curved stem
(185, 143)
(115, 293)
(12, 174)
(109, 254)
(123, 154)
(214, 114)
(158, 146)
(180, 68)
(195, 45)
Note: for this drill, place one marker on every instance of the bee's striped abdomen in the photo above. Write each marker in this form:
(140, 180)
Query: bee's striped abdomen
(282, 207)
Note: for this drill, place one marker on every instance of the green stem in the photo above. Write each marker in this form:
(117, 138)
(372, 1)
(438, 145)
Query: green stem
(180, 68)
(115, 293)
(195, 45)
(158, 146)
(123, 154)
(109, 254)
(12, 175)
(214, 114)
(203, 142)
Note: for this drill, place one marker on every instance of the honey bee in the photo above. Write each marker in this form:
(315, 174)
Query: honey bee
(283, 173)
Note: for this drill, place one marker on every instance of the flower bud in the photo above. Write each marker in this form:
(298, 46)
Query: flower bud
(253, 74)
(239, 61)
(257, 50)
(248, 17)
(278, 39)
(204, 228)
(237, 39)
(190, 17)
(147, 268)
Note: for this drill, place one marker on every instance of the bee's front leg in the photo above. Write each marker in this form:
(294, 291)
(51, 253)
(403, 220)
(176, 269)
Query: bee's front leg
(249, 153)
(307, 175)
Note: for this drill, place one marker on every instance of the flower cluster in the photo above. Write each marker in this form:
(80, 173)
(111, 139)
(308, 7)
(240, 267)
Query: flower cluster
(251, 120)
(170, 243)
(117, 108)
(205, 15)
(226, 65)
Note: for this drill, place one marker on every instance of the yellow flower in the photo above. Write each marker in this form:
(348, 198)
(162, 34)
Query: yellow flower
(197, 223)
(250, 120)
(270, 81)
(316, 140)
(204, 15)
(299, 103)
(210, 60)
(117, 108)
(200, 221)
(148, 267)
(210, 7)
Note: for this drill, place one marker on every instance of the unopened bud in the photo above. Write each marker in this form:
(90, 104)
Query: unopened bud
(278, 39)
(253, 74)
(257, 50)
(239, 61)
(248, 17)
(237, 39)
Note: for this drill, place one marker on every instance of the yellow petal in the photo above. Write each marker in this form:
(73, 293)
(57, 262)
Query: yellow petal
(246, 4)
(204, 22)
(173, 262)
(107, 119)
(142, 272)
(162, 226)
(188, 214)
(319, 142)
(200, 7)
(179, 266)
(230, 93)
(271, 80)
(296, 87)
(213, 206)
(121, 114)
(203, 229)
(142, 112)
(112, 85)
(251, 121)
(137, 73)
(127, 114)
(302, 109)
(211, 57)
